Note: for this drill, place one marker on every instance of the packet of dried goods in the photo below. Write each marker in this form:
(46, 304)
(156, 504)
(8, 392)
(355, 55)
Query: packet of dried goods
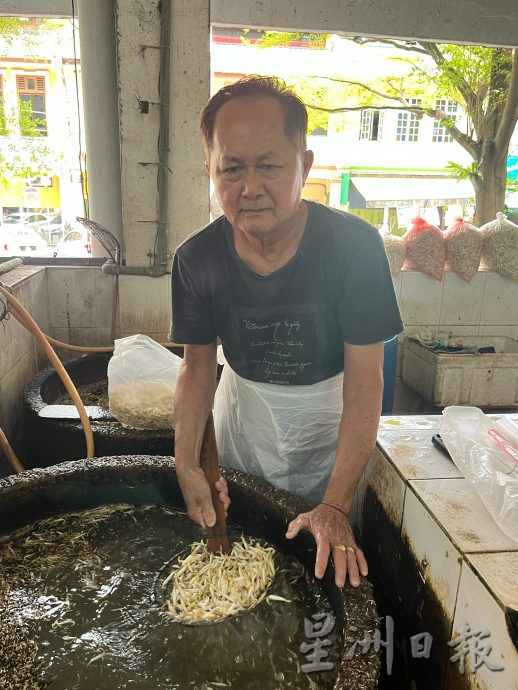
(463, 248)
(141, 383)
(425, 249)
(500, 246)
(395, 250)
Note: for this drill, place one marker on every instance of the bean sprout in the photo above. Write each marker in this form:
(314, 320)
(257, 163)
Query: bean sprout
(207, 587)
(143, 405)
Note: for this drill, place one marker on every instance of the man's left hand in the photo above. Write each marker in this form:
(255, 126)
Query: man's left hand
(333, 536)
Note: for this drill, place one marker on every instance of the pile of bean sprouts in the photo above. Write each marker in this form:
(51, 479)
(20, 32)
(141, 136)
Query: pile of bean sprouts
(143, 405)
(208, 587)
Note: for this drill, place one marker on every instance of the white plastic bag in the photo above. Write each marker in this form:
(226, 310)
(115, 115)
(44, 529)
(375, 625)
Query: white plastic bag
(286, 434)
(141, 383)
(463, 249)
(500, 248)
(394, 249)
(486, 452)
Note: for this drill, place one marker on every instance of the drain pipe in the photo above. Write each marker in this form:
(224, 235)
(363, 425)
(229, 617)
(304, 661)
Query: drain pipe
(159, 255)
(156, 271)
(9, 265)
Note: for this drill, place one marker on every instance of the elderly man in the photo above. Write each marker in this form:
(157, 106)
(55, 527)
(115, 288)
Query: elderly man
(302, 300)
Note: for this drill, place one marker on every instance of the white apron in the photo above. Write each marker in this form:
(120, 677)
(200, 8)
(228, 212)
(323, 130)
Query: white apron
(286, 434)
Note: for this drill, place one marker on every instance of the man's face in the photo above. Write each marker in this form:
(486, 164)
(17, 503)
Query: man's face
(257, 172)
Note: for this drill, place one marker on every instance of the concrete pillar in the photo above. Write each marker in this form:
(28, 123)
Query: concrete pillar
(190, 91)
(101, 114)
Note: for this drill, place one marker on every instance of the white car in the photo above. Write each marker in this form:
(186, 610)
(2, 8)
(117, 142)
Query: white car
(26, 218)
(76, 243)
(18, 240)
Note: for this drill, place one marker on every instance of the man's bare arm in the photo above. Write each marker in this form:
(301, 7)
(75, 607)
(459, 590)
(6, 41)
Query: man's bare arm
(194, 398)
(328, 522)
(362, 395)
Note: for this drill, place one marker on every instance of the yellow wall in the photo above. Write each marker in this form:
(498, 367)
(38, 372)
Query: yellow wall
(15, 194)
(316, 189)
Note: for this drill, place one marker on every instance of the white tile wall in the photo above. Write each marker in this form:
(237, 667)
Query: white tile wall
(461, 303)
(500, 306)
(500, 571)
(388, 486)
(145, 304)
(420, 300)
(88, 337)
(481, 611)
(397, 281)
(509, 331)
(437, 559)
(72, 297)
(487, 305)
(452, 304)
(20, 358)
(460, 511)
(12, 385)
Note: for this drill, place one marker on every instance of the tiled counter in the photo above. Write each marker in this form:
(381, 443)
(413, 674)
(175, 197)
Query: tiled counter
(436, 557)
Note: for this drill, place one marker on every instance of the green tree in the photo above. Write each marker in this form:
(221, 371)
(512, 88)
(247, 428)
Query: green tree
(483, 82)
(24, 151)
(317, 119)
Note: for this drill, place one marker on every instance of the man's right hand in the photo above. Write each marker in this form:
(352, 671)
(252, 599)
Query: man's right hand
(197, 496)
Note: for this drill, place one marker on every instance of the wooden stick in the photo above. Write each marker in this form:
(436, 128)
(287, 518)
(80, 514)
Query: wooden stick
(218, 536)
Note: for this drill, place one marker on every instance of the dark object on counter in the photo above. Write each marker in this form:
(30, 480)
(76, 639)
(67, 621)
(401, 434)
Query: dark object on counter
(440, 347)
(511, 618)
(440, 445)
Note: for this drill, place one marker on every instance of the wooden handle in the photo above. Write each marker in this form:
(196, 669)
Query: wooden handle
(218, 536)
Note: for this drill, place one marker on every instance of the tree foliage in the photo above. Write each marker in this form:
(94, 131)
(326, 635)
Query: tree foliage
(274, 39)
(24, 151)
(482, 81)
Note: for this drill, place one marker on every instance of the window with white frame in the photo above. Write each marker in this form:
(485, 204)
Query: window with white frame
(408, 123)
(450, 108)
(371, 125)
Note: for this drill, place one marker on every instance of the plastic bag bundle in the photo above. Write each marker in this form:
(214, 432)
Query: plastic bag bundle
(486, 452)
(395, 250)
(141, 383)
(500, 248)
(425, 249)
(463, 249)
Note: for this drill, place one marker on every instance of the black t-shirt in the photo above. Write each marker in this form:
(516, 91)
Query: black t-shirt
(288, 327)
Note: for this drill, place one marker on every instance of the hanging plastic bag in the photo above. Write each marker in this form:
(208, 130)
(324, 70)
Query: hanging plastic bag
(425, 250)
(463, 249)
(500, 248)
(395, 250)
(141, 383)
(486, 452)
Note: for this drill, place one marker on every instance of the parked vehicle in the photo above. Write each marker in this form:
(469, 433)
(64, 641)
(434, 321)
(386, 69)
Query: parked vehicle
(18, 240)
(25, 218)
(76, 243)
